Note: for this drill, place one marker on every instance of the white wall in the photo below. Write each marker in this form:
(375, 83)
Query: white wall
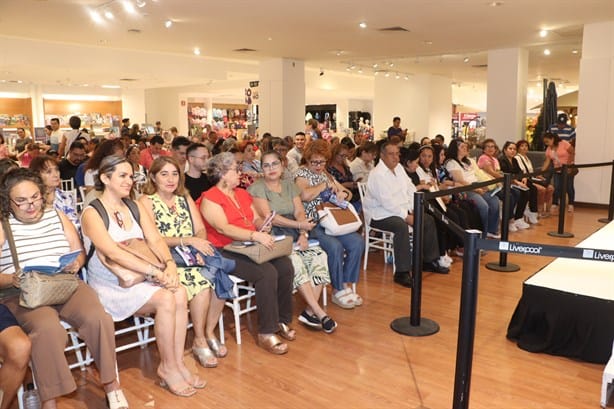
(133, 105)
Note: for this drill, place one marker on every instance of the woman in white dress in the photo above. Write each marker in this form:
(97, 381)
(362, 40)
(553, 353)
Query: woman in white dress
(161, 294)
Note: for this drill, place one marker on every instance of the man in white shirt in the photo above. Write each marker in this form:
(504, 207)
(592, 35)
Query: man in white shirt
(56, 134)
(389, 201)
(296, 152)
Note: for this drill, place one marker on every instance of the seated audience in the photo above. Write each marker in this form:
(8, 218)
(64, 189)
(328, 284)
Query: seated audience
(15, 354)
(178, 220)
(272, 193)
(540, 183)
(229, 215)
(338, 168)
(345, 251)
(196, 180)
(43, 232)
(138, 171)
(160, 294)
(526, 191)
(363, 163)
(154, 150)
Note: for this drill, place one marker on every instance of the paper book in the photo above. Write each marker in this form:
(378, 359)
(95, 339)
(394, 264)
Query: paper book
(523, 188)
(51, 264)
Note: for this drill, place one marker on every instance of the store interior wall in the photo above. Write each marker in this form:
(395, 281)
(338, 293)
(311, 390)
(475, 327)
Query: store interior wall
(133, 105)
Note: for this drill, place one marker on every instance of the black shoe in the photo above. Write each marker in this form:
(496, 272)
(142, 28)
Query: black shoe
(434, 267)
(310, 320)
(328, 324)
(404, 279)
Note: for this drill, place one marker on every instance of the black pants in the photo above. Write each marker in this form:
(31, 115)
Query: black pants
(273, 284)
(402, 255)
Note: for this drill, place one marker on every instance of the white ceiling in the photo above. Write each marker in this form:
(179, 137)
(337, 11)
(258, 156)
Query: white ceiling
(441, 34)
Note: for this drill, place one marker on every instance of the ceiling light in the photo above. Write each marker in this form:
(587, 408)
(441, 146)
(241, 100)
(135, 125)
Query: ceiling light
(360, 70)
(141, 3)
(387, 75)
(96, 17)
(375, 65)
(543, 33)
(347, 68)
(466, 60)
(108, 15)
(574, 51)
(376, 72)
(391, 64)
(196, 51)
(547, 52)
(352, 66)
(406, 77)
(397, 76)
(362, 24)
(110, 86)
(495, 3)
(428, 42)
(129, 7)
(339, 53)
(168, 23)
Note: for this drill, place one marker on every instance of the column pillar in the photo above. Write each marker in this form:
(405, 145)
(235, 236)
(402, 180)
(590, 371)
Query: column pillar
(595, 122)
(281, 102)
(506, 104)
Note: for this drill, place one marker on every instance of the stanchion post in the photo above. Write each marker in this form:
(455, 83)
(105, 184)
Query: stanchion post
(611, 203)
(562, 205)
(415, 325)
(503, 265)
(467, 316)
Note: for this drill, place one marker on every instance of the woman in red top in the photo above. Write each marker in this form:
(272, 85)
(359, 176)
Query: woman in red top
(229, 216)
(559, 153)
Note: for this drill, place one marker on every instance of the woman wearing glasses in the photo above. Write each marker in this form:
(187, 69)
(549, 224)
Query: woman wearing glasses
(344, 251)
(272, 193)
(178, 220)
(339, 169)
(160, 293)
(44, 232)
(229, 215)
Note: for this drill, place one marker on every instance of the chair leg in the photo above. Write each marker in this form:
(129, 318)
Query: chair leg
(220, 326)
(236, 306)
(324, 300)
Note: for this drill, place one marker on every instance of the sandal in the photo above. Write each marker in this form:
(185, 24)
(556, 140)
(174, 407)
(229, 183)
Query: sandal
(344, 298)
(286, 332)
(357, 300)
(116, 400)
(272, 344)
(328, 324)
(205, 357)
(197, 383)
(218, 349)
(184, 393)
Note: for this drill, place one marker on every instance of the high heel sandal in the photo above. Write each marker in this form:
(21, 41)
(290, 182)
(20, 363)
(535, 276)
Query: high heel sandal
(286, 332)
(205, 356)
(184, 393)
(197, 383)
(116, 400)
(216, 347)
(272, 343)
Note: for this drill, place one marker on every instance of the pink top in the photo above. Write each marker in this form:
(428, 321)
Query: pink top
(561, 156)
(484, 160)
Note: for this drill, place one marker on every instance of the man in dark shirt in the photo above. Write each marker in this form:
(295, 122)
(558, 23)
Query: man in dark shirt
(395, 129)
(68, 166)
(195, 180)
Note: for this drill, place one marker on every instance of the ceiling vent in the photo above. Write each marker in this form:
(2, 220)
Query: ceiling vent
(128, 79)
(134, 31)
(245, 50)
(395, 28)
(480, 66)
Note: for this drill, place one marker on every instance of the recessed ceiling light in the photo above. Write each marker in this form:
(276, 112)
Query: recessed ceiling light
(495, 3)
(406, 77)
(391, 64)
(108, 15)
(466, 60)
(196, 51)
(376, 72)
(362, 24)
(339, 53)
(428, 42)
(352, 66)
(270, 38)
(96, 17)
(141, 3)
(574, 51)
(387, 75)
(110, 86)
(168, 23)
(543, 33)
(129, 7)
(360, 70)
(547, 52)
(397, 76)
(375, 65)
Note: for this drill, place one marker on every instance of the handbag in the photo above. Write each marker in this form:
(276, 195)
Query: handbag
(337, 221)
(39, 289)
(138, 248)
(260, 254)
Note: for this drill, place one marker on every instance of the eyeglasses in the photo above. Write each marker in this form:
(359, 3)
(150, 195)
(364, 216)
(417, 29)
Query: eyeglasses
(24, 204)
(317, 162)
(272, 165)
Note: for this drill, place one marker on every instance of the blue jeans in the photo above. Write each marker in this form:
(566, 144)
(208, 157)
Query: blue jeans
(344, 253)
(488, 208)
(571, 191)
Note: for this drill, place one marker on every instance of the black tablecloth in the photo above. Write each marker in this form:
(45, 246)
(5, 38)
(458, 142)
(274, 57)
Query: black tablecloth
(565, 324)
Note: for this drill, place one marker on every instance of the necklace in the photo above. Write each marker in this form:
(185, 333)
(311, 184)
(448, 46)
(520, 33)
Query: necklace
(236, 205)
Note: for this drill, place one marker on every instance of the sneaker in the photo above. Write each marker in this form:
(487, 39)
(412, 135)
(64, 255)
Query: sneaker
(443, 262)
(531, 217)
(521, 224)
(449, 259)
(311, 321)
(512, 227)
(570, 208)
(493, 235)
(328, 324)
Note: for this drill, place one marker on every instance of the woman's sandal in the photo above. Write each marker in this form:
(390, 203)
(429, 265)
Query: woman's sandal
(197, 383)
(205, 357)
(272, 344)
(286, 332)
(344, 298)
(216, 347)
(184, 393)
(116, 400)
(357, 299)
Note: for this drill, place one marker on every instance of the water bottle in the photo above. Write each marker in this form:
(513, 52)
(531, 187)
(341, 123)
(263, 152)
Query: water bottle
(31, 400)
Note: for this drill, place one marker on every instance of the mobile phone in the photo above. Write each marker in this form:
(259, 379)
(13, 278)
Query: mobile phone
(268, 221)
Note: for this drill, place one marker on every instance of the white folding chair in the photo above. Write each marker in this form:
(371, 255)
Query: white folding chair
(237, 308)
(67, 185)
(381, 240)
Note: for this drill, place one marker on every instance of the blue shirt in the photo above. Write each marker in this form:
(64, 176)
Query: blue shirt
(566, 133)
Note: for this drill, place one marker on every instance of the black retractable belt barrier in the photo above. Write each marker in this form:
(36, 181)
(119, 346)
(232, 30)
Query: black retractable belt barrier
(415, 325)
(611, 202)
(503, 265)
(562, 206)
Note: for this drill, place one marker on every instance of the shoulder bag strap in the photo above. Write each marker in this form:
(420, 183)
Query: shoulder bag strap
(9, 237)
